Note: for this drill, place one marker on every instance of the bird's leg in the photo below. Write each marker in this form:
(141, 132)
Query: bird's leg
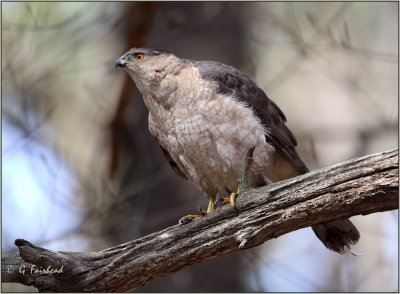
(190, 217)
(211, 204)
(244, 180)
(232, 198)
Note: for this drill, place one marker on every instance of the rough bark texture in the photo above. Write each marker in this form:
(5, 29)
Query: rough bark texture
(360, 186)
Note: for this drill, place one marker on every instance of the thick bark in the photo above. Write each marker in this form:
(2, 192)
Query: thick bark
(360, 186)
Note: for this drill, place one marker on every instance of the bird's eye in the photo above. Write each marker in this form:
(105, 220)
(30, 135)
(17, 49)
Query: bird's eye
(139, 56)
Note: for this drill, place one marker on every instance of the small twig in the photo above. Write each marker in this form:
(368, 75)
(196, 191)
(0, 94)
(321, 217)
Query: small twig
(244, 181)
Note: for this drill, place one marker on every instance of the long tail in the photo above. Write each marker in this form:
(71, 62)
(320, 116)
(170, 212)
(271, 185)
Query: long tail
(337, 235)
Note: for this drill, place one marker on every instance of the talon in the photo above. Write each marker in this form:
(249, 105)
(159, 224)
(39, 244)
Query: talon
(188, 218)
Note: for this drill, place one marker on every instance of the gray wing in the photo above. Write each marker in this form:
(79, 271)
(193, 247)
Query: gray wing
(233, 82)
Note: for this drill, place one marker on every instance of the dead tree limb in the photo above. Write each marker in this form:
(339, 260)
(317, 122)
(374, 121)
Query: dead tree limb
(360, 186)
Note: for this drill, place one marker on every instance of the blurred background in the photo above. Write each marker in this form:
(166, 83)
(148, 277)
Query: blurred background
(81, 172)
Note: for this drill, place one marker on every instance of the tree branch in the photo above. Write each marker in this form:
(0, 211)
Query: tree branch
(360, 186)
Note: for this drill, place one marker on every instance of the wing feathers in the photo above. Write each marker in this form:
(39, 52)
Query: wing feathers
(231, 81)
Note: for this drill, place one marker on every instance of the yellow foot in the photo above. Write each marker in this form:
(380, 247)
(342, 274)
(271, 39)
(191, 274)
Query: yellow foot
(231, 199)
(211, 205)
(188, 218)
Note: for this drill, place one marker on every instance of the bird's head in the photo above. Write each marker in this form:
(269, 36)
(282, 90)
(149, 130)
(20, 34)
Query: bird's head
(146, 66)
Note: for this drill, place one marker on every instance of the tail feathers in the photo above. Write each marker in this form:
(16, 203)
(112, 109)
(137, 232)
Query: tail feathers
(337, 235)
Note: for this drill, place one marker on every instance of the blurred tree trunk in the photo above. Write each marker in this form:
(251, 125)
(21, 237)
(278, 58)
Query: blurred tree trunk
(138, 22)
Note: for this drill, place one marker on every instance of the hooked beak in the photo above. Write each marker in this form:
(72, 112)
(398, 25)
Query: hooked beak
(120, 63)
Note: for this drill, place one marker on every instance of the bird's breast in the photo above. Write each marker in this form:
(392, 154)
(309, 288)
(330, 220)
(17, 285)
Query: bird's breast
(208, 136)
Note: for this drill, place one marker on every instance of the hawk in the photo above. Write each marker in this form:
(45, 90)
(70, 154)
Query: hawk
(205, 115)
